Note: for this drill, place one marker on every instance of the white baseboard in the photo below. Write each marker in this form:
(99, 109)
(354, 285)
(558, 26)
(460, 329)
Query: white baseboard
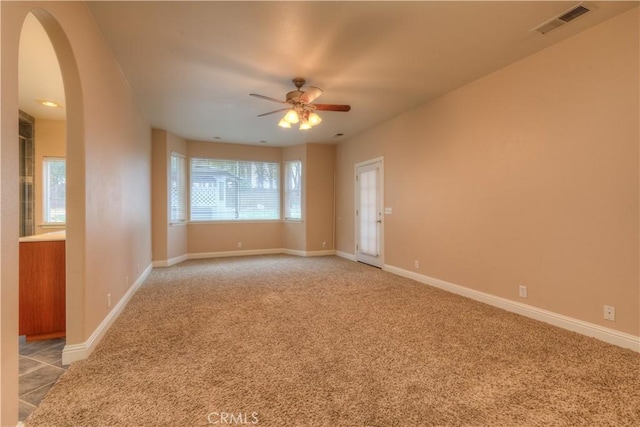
(326, 252)
(170, 262)
(249, 252)
(608, 335)
(346, 255)
(307, 253)
(74, 352)
(294, 252)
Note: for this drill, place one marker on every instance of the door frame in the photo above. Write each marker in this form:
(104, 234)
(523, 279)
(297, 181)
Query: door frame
(380, 162)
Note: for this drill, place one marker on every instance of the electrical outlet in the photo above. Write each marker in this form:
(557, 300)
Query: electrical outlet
(239, 245)
(522, 291)
(108, 300)
(610, 313)
(324, 244)
(416, 264)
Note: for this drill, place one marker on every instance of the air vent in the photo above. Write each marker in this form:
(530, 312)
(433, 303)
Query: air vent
(574, 13)
(560, 20)
(549, 26)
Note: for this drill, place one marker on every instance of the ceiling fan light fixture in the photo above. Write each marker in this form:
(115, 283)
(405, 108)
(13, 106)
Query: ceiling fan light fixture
(284, 124)
(299, 107)
(291, 116)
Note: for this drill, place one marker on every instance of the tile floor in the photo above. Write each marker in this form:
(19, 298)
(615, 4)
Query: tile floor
(39, 368)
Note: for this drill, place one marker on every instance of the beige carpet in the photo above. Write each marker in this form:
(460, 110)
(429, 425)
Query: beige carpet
(287, 341)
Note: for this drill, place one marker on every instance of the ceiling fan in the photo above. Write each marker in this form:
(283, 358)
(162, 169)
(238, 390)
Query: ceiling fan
(299, 107)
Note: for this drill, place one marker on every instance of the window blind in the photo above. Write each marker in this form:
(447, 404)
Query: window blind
(223, 190)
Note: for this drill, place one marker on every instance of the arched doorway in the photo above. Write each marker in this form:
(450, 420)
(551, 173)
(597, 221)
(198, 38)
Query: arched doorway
(9, 170)
(75, 176)
(42, 162)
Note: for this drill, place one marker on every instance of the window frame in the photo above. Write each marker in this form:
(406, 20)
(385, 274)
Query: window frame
(46, 188)
(286, 192)
(278, 187)
(182, 160)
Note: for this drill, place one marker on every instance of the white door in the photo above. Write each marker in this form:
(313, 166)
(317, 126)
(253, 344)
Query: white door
(369, 213)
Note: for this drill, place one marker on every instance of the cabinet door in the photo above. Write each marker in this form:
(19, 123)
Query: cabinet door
(42, 289)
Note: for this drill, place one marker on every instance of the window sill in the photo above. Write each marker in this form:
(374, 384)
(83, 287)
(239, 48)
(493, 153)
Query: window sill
(61, 226)
(237, 221)
(177, 224)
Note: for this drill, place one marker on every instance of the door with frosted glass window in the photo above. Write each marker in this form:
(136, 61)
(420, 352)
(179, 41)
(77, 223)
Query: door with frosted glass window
(369, 213)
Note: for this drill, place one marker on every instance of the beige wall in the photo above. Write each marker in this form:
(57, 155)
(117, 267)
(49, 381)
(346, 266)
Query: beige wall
(319, 202)
(295, 232)
(528, 176)
(159, 195)
(108, 179)
(203, 238)
(219, 150)
(50, 141)
(207, 238)
(169, 240)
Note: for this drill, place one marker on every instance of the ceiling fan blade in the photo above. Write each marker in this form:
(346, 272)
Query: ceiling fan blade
(267, 98)
(310, 94)
(273, 112)
(331, 107)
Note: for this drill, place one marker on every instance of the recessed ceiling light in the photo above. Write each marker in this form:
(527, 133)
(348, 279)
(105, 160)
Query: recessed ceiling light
(48, 103)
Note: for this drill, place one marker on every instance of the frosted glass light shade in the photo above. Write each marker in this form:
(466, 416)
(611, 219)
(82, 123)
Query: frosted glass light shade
(291, 117)
(284, 124)
(314, 119)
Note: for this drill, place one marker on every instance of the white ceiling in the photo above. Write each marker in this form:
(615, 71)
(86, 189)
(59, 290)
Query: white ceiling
(192, 65)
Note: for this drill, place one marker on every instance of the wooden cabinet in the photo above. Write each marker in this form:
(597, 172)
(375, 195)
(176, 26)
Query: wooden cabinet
(42, 289)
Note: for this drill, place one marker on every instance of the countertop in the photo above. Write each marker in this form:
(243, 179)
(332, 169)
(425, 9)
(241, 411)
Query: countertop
(45, 237)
